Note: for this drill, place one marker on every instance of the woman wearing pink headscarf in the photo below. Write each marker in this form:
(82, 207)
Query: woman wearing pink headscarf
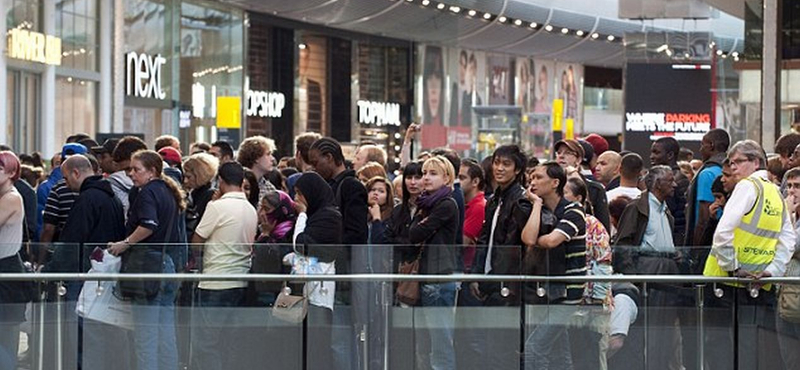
(277, 216)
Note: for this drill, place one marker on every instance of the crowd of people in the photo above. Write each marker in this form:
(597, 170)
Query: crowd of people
(589, 211)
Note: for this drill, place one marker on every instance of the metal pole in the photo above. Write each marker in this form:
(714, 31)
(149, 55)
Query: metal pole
(701, 332)
(771, 74)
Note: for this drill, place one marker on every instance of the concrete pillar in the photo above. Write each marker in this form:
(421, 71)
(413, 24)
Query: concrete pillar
(105, 98)
(118, 61)
(4, 139)
(48, 105)
(771, 75)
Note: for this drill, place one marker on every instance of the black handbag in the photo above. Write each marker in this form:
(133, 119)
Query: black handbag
(141, 260)
(23, 291)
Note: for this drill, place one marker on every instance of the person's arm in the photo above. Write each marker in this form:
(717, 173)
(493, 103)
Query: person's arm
(784, 249)
(405, 152)
(440, 215)
(703, 216)
(141, 233)
(10, 207)
(530, 233)
(572, 225)
(741, 201)
(48, 232)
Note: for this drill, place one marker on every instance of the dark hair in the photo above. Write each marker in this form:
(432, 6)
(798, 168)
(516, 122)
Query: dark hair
(411, 169)
(617, 206)
(77, 137)
(329, 145)
(93, 161)
(276, 178)
(720, 140)
(289, 171)
(126, 147)
(202, 146)
(555, 171)
(685, 154)
(717, 187)
(787, 143)
(578, 187)
(5, 148)
(670, 145)
(232, 173)
(451, 156)
(474, 171)
(225, 148)
(514, 153)
(165, 141)
(251, 179)
(775, 167)
(794, 172)
(532, 161)
(631, 166)
(488, 175)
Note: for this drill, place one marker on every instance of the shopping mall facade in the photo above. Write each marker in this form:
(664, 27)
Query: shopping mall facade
(475, 77)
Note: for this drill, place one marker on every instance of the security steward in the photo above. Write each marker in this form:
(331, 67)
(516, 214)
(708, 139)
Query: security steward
(754, 239)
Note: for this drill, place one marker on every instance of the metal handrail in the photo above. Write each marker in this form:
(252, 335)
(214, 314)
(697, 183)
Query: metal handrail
(696, 279)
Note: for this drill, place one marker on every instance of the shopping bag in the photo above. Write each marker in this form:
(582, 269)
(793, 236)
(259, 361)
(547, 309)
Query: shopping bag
(98, 300)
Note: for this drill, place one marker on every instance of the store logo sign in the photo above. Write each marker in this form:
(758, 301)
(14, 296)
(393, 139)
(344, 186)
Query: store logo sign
(143, 74)
(265, 104)
(378, 113)
(681, 126)
(34, 47)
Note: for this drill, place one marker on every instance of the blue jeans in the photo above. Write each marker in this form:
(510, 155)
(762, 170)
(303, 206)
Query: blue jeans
(213, 334)
(154, 326)
(439, 301)
(548, 345)
(9, 345)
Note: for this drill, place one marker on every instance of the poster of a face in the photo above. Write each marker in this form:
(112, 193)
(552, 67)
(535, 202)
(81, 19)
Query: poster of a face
(312, 86)
(464, 91)
(433, 86)
(522, 84)
(569, 82)
(499, 79)
(543, 91)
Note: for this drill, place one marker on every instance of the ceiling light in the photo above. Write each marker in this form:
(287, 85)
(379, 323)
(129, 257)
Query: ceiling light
(595, 35)
(502, 19)
(533, 25)
(455, 9)
(610, 38)
(686, 55)
(440, 6)
(719, 52)
(301, 46)
(426, 2)
(662, 48)
(565, 30)
(548, 28)
(735, 54)
(472, 13)
(518, 22)
(736, 58)
(410, 1)
(487, 15)
(579, 33)
(724, 56)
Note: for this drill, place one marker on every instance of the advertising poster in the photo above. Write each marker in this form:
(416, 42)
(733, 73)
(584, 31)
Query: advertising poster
(543, 80)
(523, 84)
(499, 80)
(434, 133)
(666, 100)
(312, 65)
(568, 81)
(464, 68)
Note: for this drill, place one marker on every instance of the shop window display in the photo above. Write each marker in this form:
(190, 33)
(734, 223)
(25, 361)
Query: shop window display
(312, 85)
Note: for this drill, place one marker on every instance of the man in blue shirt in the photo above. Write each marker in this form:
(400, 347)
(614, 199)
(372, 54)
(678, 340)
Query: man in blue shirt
(713, 149)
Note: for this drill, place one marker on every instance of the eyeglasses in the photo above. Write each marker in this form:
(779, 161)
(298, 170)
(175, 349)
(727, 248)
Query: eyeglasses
(740, 161)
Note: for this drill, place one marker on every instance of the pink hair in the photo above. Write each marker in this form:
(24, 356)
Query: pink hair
(10, 163)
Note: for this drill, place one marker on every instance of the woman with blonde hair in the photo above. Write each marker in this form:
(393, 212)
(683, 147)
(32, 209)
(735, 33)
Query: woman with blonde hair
(433, 233)
(198, 173)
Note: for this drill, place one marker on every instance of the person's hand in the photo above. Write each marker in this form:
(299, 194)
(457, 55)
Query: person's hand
(117, 248)
(267, 226)
(217, 195)
(712, 209)
(476, 291)
(411, 132)
(375, 212)
(300, 207)
(532, 197)
(742, 273)
(762, 274)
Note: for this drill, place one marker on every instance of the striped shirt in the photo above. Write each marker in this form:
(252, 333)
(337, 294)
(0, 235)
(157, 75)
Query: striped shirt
(572, 223)
(58, 205)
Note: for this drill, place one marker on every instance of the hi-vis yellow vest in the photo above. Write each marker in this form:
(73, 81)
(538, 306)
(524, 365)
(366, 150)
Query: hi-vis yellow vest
(755, 238)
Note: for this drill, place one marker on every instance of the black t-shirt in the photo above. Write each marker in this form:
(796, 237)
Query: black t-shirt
(154, 208)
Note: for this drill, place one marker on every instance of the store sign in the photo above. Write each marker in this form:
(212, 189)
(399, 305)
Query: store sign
(184, 118)
(265, 104)
(378, 113)
(34, 47)
(681, 126)
(143, 74)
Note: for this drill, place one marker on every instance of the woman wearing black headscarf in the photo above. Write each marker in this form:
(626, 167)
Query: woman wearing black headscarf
(318, 234)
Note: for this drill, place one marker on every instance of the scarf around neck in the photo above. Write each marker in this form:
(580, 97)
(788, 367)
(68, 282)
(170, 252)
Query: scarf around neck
(427, 200)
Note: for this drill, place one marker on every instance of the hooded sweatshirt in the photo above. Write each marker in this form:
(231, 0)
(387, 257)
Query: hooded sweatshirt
(96, 218)
(322, 236)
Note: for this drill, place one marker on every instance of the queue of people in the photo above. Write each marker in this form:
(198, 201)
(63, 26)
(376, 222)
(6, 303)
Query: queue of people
(590, 211)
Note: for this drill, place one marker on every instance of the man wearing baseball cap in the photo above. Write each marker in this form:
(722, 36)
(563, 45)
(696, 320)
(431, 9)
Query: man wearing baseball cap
(570, 153)
(103, 153)
(60, 199)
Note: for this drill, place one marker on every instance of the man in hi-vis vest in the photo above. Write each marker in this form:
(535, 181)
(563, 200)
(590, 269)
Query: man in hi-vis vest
(754, 238)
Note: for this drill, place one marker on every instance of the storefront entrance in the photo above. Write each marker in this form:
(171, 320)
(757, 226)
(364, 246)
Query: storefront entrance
(23, 111)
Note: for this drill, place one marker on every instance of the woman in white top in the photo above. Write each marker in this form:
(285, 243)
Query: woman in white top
(12, 294)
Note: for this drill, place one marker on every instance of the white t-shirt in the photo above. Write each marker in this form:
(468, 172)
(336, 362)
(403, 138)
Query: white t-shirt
(229, 227)
(623, 315)
(632, 193)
